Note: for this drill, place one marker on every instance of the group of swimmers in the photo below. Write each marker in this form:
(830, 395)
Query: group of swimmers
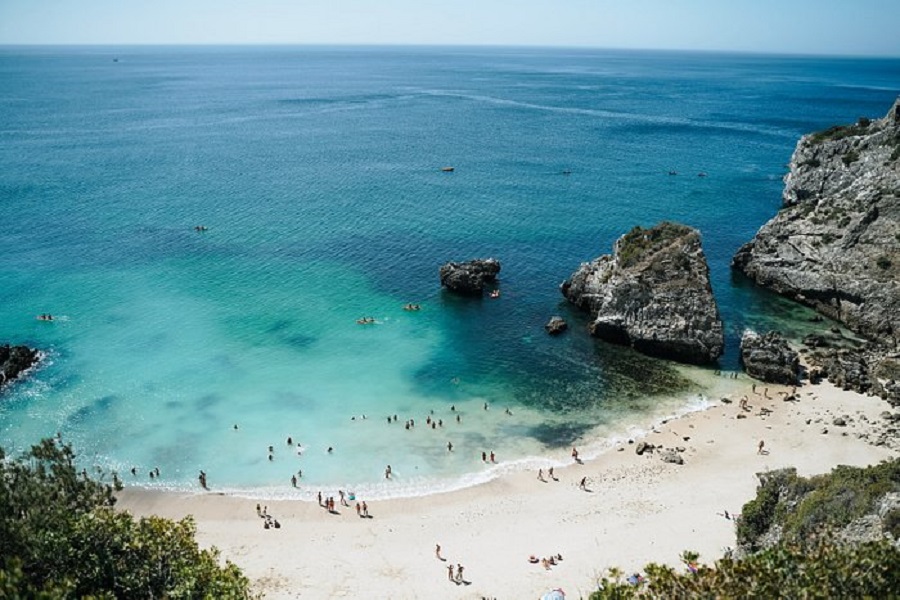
(411, 307)
(43, 317)
(365, 320)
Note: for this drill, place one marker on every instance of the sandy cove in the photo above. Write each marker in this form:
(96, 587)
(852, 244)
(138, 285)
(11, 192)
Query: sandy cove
(636, 509)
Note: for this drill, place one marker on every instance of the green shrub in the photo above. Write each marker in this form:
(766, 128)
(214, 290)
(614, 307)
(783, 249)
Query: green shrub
(851, 157)
(838, 132)
(61, 538)
(883, 262)
(891, 523)
(639, 243)
(818, 569)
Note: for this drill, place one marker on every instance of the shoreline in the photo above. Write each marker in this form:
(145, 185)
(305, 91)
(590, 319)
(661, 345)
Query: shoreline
(636, 509)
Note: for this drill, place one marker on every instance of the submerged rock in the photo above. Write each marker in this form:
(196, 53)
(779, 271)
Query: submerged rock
(556, 325)
(469, 278)
(653, 293)
(835, 243)
(14, 360)
(769, 358)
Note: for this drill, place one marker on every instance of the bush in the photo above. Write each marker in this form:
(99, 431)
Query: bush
(61, 538)
(818, 569)
(883, 262)
(851, 157)
(639, 243)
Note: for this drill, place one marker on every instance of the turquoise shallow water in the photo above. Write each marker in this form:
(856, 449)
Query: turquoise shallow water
(317, 172)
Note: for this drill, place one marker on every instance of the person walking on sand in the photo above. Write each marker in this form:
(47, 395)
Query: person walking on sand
(759, 448)
(365, 508)
(450, 572)
(358, 510)
(583, 483)
(541, 475)
(437, 552)
(575, 454)
(550, 473)
(459, 574)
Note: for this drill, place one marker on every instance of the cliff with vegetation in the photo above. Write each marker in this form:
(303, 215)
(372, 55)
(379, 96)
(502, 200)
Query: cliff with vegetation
(835, 243)
(653, 293)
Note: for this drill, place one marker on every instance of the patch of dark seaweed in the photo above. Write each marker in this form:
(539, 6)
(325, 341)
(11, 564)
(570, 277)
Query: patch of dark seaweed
(559, 435)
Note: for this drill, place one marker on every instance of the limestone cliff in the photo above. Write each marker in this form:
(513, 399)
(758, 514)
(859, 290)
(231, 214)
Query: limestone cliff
(652, 293)
(835, 243)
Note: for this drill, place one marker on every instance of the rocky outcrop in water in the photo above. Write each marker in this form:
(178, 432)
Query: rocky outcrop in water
(14, 360)
(653, 293)
(835, 243)
(469, 278)
(556, 325)
(769, 358)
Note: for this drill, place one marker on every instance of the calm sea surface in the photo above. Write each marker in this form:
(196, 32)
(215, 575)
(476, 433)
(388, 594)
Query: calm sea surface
(317, 172)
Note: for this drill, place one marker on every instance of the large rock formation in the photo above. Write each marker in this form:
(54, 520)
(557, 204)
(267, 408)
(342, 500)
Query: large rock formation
(14, 360)
(652, 293)
(469, 278)
(769, 358)
(835, 243)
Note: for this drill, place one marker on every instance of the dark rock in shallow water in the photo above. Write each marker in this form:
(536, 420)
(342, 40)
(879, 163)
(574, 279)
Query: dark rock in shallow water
(14, 360)
(769, 358)
(556, 325)
(653, 293)
(469, 278)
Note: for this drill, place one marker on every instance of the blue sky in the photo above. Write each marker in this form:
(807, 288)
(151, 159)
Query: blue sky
(866, 27)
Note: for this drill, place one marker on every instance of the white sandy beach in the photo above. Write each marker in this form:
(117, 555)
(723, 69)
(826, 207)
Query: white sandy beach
(636, 509)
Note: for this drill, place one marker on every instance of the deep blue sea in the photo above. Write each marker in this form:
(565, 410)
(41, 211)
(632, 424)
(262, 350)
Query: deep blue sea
(318, 175)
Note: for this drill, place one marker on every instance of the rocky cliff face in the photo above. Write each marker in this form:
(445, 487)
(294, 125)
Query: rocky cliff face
(835, 243)
(769, 358)
(652, 293)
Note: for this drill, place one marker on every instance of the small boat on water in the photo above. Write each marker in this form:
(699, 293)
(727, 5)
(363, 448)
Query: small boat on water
(447, 169)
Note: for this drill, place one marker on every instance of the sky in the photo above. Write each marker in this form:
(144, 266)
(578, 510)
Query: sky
(833, 27)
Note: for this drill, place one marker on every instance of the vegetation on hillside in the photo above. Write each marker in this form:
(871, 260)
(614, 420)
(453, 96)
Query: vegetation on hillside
(801, 506)
(818, 569)
(61, 538)
(639, 243)
(807, 558)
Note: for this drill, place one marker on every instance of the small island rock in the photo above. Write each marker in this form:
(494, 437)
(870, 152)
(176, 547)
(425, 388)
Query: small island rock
(556, 325)
(653, 293)
(469, 278)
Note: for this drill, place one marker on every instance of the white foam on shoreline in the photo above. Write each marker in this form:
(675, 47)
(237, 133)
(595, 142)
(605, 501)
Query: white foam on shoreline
(400, 487)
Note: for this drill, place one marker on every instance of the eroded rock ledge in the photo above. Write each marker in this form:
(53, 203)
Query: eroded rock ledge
(15, 360)
(469, 278)
(653, 293)
(835, 243)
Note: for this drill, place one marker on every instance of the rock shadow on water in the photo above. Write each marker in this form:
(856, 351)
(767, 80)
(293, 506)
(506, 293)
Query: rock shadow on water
(559, 435)
(91, 411)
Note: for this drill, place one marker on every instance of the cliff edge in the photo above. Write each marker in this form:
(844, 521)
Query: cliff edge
(835, 243)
